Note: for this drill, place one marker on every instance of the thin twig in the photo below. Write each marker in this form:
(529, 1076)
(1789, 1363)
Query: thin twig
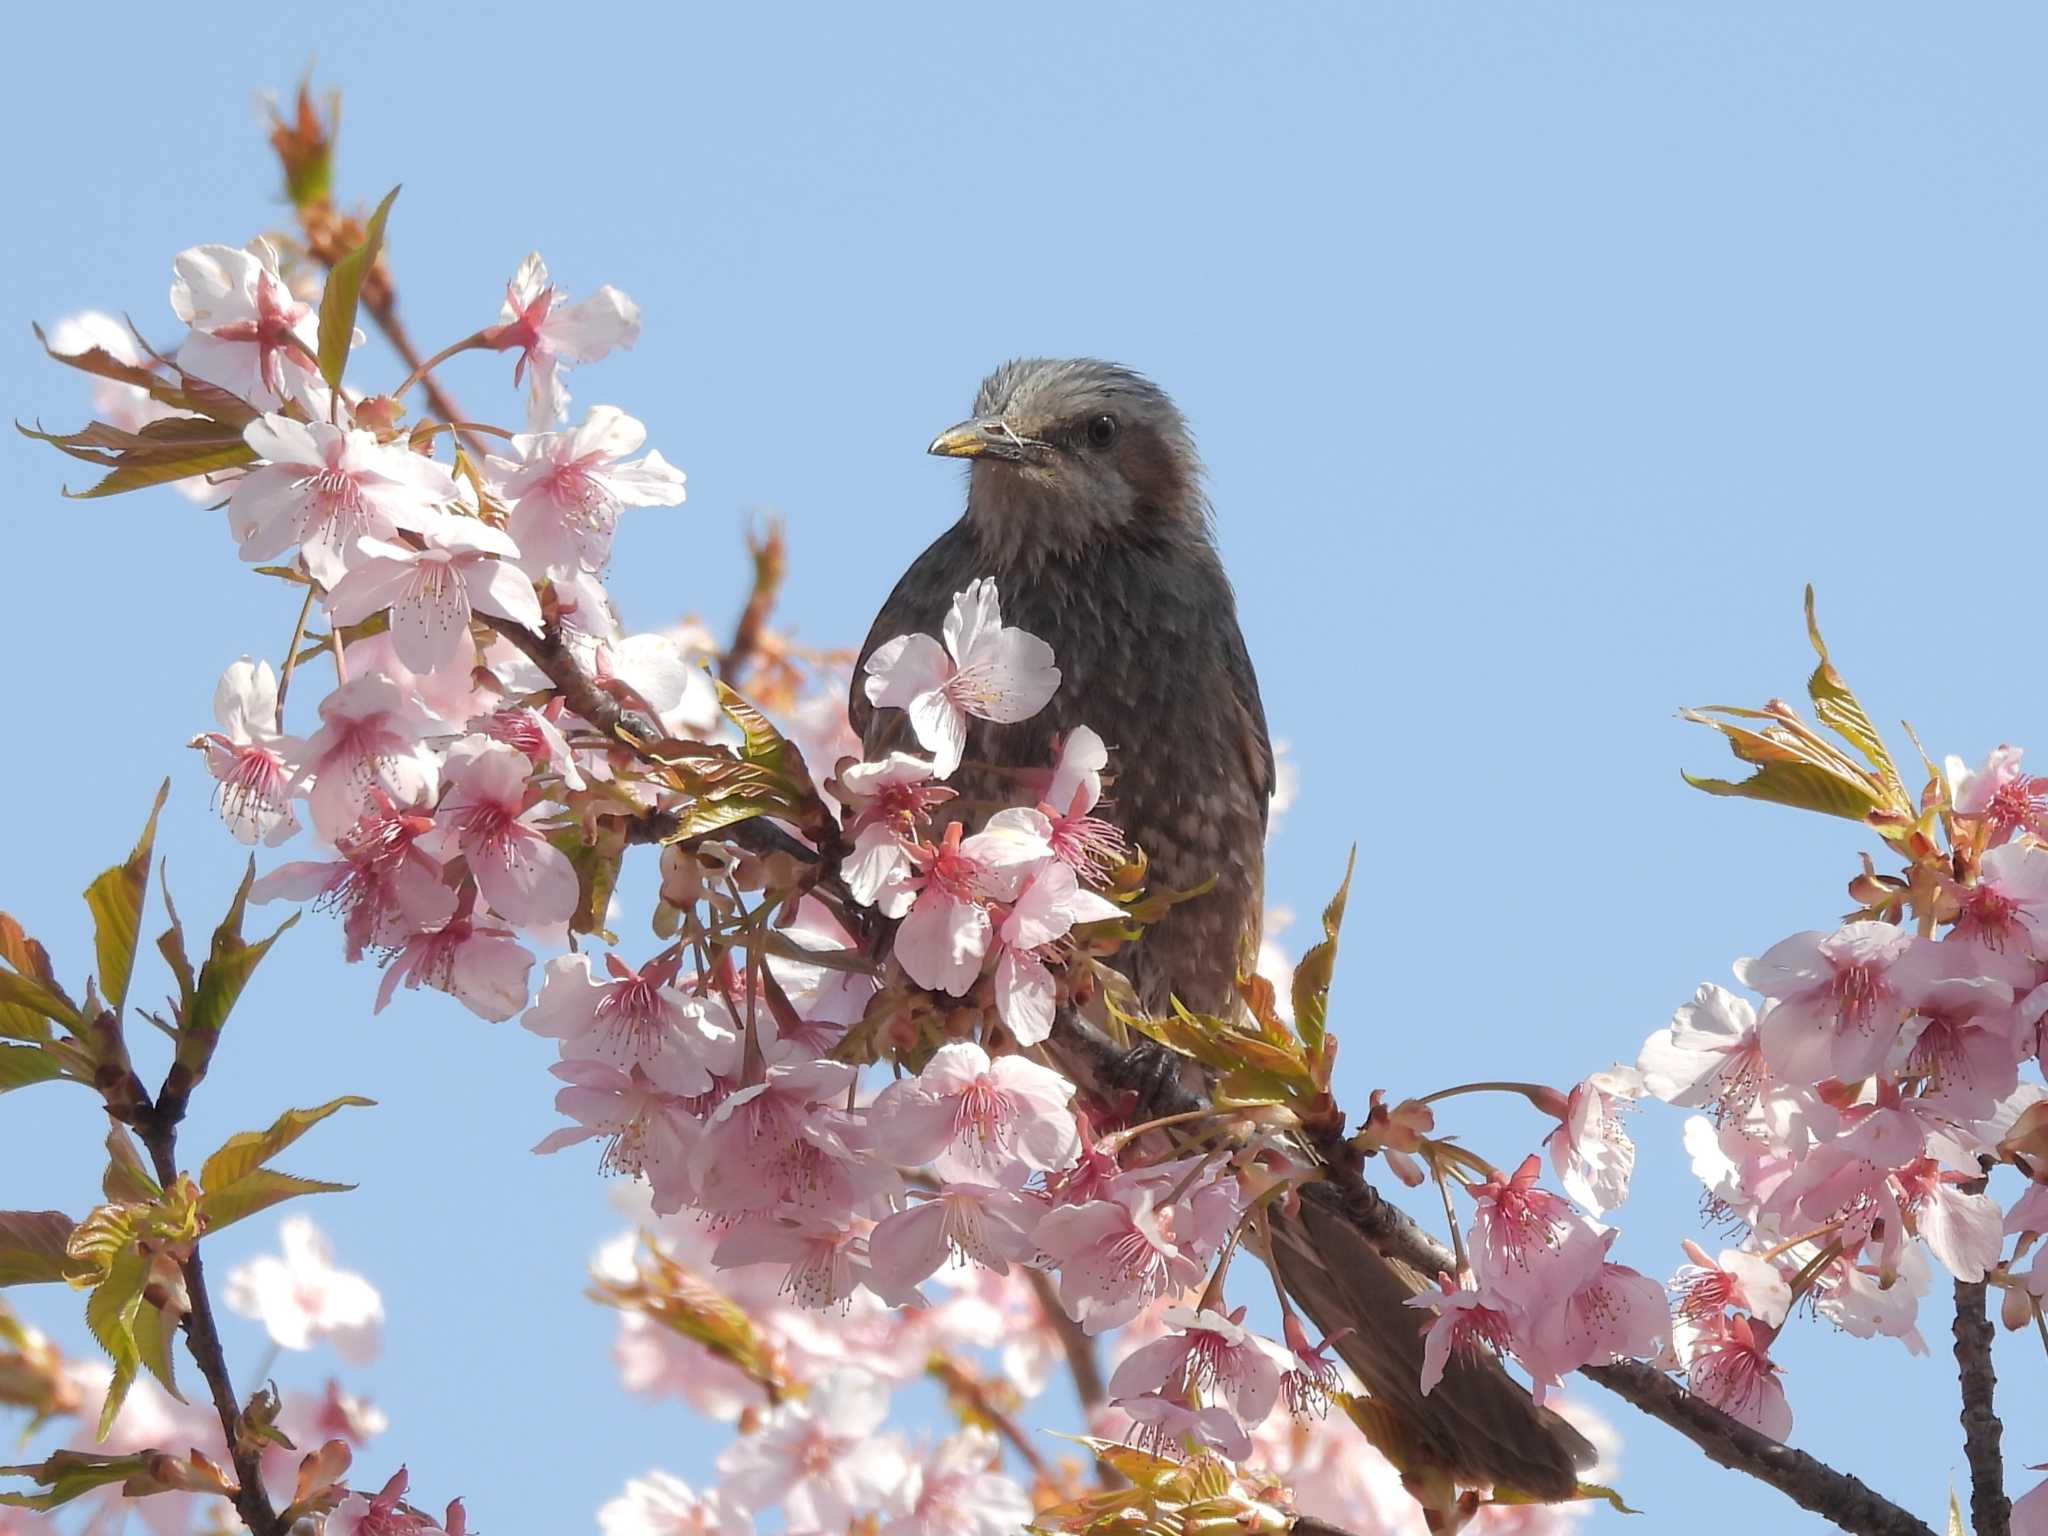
(202, 1338)
(770, 561)
(1990, 1509)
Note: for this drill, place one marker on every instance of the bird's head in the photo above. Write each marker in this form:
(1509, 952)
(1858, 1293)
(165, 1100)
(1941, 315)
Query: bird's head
(1067, 452)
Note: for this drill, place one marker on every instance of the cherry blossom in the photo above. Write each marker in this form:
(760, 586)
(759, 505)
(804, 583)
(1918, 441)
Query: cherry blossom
(636, 1019)
(1050, 904)
(1708, 1055)
(980, 1223)
(823, 1261)
(970, 1116)
(372, 738)
(1210, 1353)
(647, 1133)
(249, 335)
(819, 1458)
(1467, 1320)
(1728, 1363)
(254, 762)
(1999, 795)
(959, 1490)
(1617, 1314)
(482, 967)
(386, 1514)
(384, 885)
(487, 817)
(466, 567)
(534, 733)
(785, 1142)
(1591, 1150)
(323, 487)
(1527, 1245)
(1840, 998)
(550, 334)
(1747, 1282)
(2030, 1510)
(984, 670)
(1093, 846)
(2007, 908)
(1113, 1256)
(662, 1505)
(301, 1298)
(566, 490)
(1962, 1229)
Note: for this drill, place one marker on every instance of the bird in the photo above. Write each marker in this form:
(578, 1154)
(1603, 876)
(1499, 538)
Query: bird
(1087, 506)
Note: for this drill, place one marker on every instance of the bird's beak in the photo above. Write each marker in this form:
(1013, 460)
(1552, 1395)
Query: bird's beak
(981, 437)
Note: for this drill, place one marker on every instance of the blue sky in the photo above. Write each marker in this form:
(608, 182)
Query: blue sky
(1539, 355)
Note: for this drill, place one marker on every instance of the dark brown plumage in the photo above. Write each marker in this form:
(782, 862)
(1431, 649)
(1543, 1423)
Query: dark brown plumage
(1085, 506)
(1102, 550)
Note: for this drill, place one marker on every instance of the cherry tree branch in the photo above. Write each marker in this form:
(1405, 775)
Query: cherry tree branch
(1990, 1508)
(1075, 1341)
(1807, 1481)
(159, 1133)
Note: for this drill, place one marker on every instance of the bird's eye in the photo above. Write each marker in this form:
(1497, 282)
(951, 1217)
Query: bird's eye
(1102, 431)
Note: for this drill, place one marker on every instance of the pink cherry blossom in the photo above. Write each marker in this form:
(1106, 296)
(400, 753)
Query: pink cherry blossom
(465, 568)
(661, 1505)
(566, 490)
(979, 1223)
(2007, 907)
(1114, 1256)
(786, 1142)
(372, 738)
(1048, 906)
(249, 335)
(2000, 795)
(946, 926)
(1962, 1230)
(647, 1133)
(537, 735)
(1747, 1282)
(1839, 998)
(959, 1490)
(1210, 1353)
(823, 1261)
(1591, 1150)
(384, 885)
(636, 1019)
(1728, 1363)
(487, 816)
(1618, 1314)
(388, 1515)
(1966, 1040)
(482, 967)
(1528, 1246)
(1709, 1055)
(1166, 1427)
(550, 334)
(2030, 1510)
(970, 1117)
(254, 762)
(1468, 1320)
(1865, 1303)
(895, 791)
(323, 487)
(302, 1298)
(1094, 847)
(984, 670)
(818, 1458)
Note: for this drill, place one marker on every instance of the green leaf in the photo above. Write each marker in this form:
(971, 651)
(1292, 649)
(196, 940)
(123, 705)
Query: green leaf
(21, 1065)
(21, 992)
(21, 1020)
(66, 1475)
(1312, 976)
(171, 945)
(126, 1180)
(35, 1247)
(225, 973)
(153, 1347)
(344, 291)
(1955, 1516)
(597, 872)
(116, 902)
(1838, 709)
(110, 1314)
(170, 448)
(258, 1190)
(1799, 785)
(1580, 1492)
(246, 1151)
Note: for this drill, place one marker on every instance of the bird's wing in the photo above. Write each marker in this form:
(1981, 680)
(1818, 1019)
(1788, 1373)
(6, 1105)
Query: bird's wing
(1478, 1420)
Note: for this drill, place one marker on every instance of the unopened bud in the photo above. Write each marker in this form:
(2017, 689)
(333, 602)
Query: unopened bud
(2015, 1308)
(378, 413)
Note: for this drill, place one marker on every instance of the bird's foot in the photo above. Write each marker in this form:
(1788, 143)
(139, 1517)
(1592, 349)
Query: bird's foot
(1151, 1074)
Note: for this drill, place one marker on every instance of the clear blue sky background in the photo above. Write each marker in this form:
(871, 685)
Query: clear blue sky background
(1539, 354)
